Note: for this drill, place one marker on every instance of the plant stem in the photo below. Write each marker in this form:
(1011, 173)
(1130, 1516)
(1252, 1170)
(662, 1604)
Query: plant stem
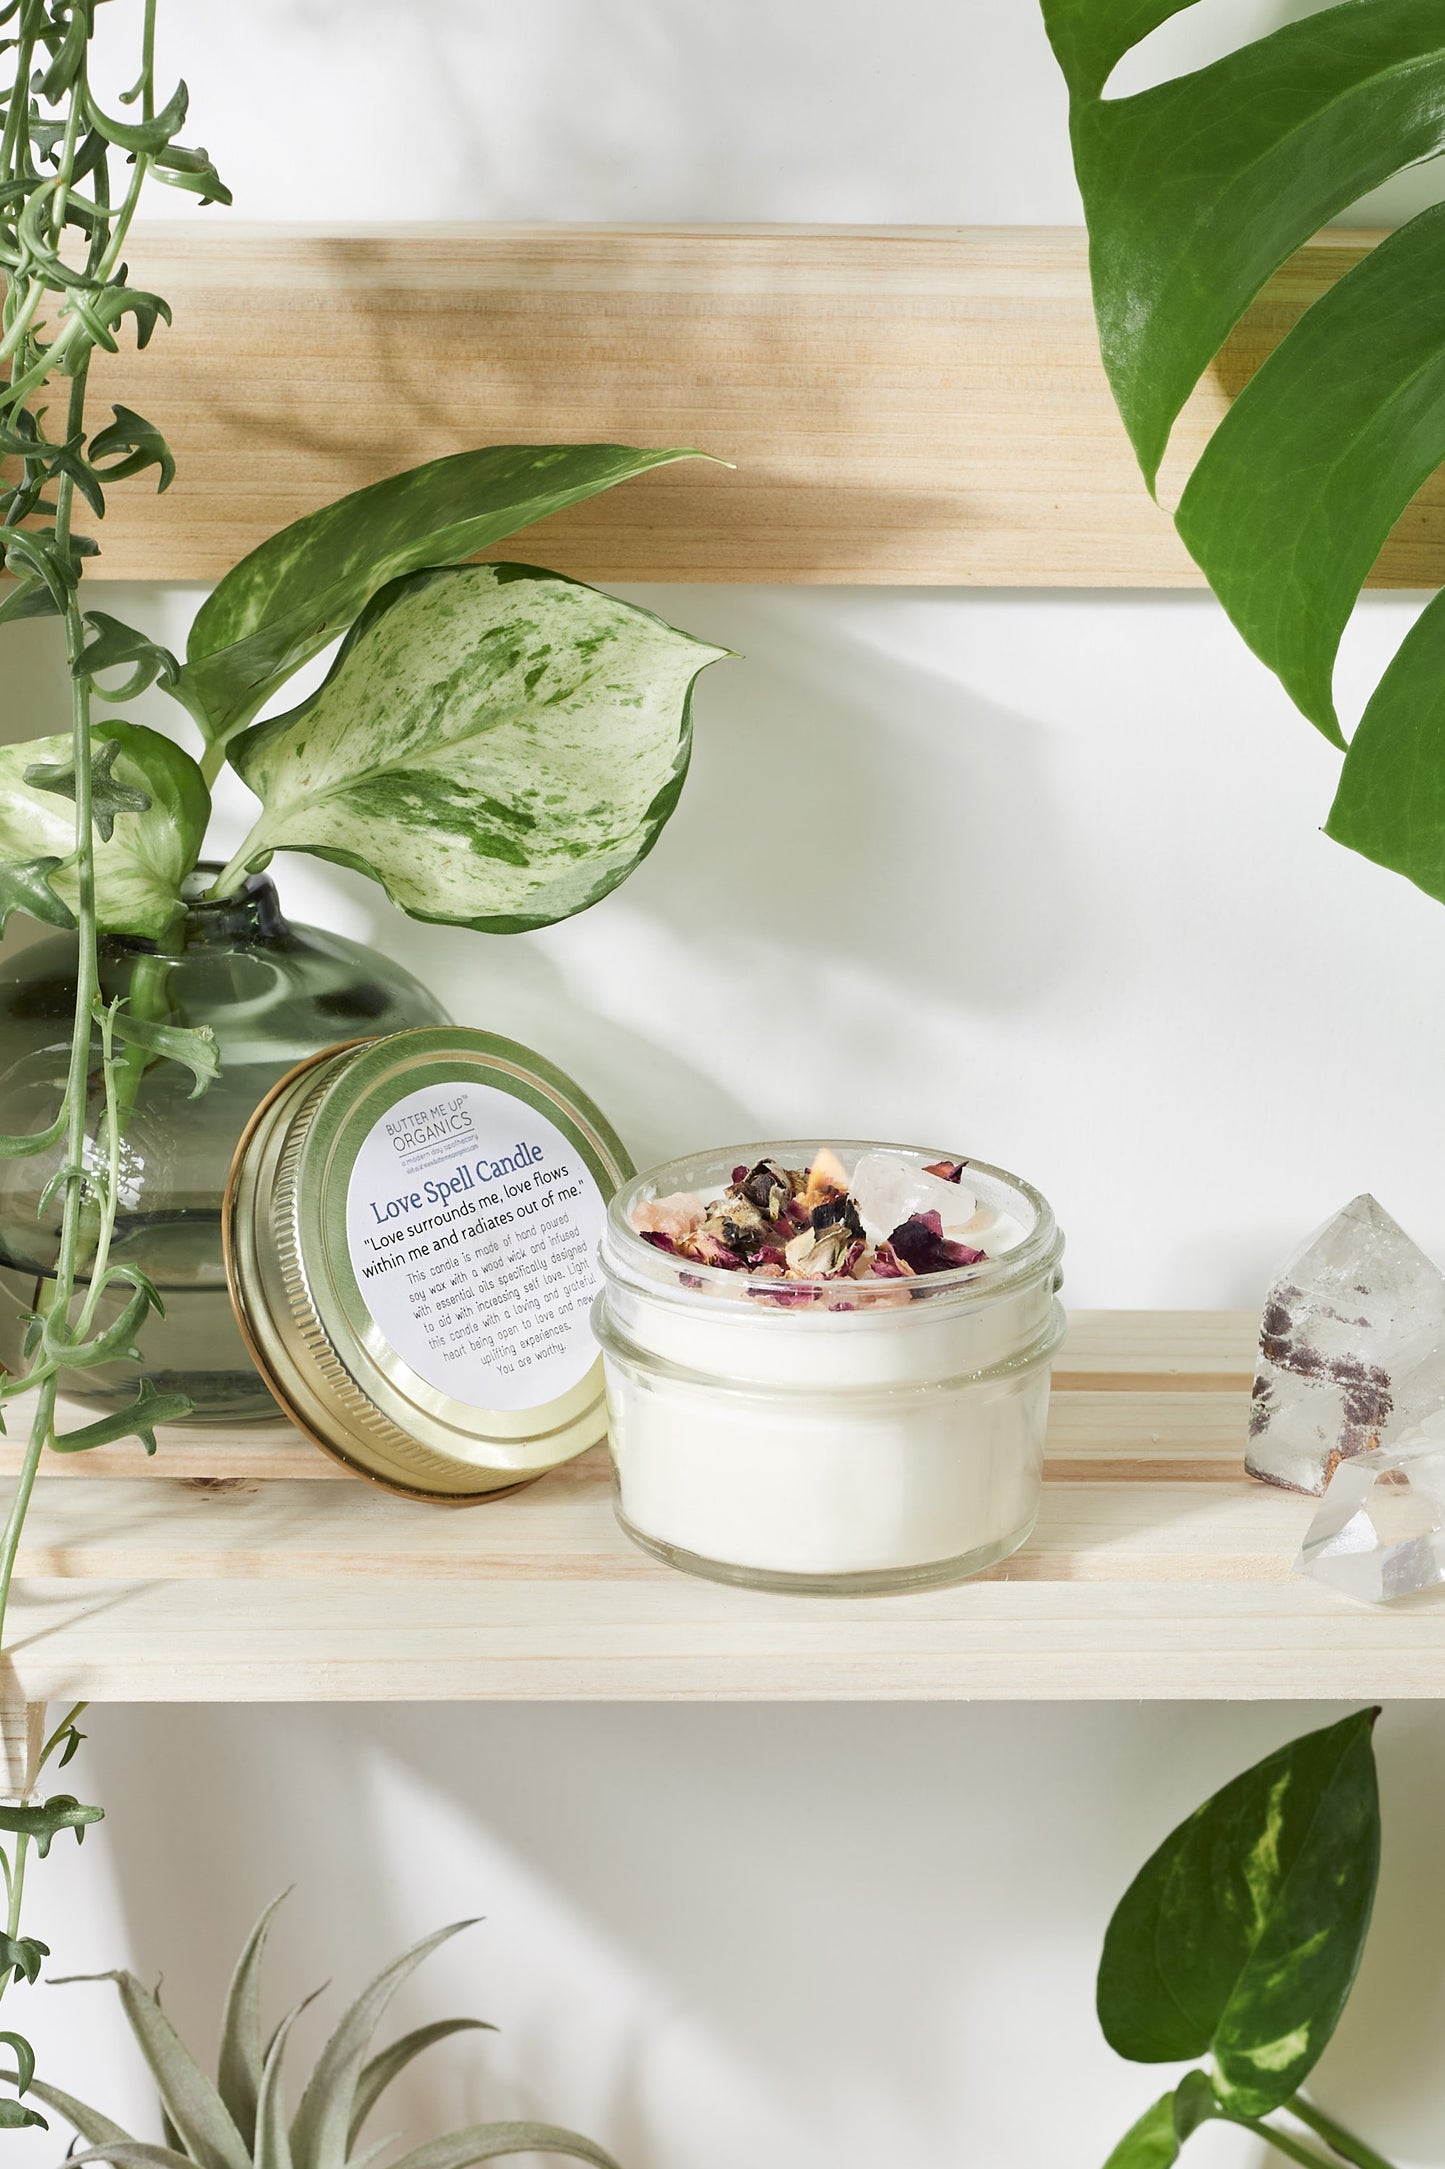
(19, 1505)
(1281, 2141)
(1344, 2142)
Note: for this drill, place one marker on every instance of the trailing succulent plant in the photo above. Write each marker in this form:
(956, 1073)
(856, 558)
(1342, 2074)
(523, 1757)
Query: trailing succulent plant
(239, 2120)
(1198, 189)
(495, 745)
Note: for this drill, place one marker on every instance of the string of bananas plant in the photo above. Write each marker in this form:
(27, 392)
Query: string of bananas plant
(496, 745)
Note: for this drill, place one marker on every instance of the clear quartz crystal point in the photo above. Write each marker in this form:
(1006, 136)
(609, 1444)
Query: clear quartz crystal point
(1380, 1529)
(888, 1190)
(1351, 1350)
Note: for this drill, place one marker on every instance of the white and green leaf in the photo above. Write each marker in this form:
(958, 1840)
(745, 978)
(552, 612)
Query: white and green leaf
(140, 869)
(496, 745)
(298, 590)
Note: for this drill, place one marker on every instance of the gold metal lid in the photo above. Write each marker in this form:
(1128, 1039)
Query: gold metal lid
(411, 1228)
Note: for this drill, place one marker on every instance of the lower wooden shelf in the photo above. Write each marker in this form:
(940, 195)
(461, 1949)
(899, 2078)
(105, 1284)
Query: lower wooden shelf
(245, 1568)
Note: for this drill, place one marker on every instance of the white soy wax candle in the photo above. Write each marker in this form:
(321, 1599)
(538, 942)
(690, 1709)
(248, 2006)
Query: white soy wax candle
(834, 1434)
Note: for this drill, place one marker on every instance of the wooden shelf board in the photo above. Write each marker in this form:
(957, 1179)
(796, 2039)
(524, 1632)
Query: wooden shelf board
(905, 405)
(244, 1567)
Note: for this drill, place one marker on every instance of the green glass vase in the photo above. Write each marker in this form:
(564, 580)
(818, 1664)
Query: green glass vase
(272, 993)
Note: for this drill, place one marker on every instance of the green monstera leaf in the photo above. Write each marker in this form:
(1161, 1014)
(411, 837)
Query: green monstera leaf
(1242, 1935)
(292, 596)
(1196, 191)
(151, 813)
(497, 746)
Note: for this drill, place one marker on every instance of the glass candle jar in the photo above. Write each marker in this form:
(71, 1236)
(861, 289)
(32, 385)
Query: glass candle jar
(836, 1436)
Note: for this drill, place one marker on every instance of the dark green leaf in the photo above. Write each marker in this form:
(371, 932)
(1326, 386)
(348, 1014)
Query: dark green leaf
(129, 445)
(1243, 1933)
(1303, 480)
(14, 2116)
(141, 871)
(108, 795)
(1195, 2103)
(497, 746)
(43, 1821)
(1391, 800)
(138, 1421)
(28, 599)
(148, 311)
(21, 1957)
(299, 590)
(142, 135)
(24, 2060)
(1152, 2143)
(192, 171)
(193, 1046)
(25, 886)
(35, 558)
(115, 646)
(389, 2065)
(1199, 189)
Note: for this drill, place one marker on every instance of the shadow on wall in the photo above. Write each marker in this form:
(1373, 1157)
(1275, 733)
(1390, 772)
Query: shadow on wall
(862, 845)
(838, 1935)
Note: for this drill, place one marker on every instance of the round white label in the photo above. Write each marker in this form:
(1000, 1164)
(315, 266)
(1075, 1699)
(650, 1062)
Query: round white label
(473, 1229)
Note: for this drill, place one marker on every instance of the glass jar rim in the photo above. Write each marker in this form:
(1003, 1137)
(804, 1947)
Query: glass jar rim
(629, 1258)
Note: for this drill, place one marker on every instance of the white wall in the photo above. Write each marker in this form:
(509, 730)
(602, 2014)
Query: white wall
(1094, 933)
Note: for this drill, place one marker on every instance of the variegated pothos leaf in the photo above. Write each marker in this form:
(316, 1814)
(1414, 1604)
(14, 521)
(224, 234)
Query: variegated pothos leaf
(140, 870)
(1243, 1933)
(498, 746)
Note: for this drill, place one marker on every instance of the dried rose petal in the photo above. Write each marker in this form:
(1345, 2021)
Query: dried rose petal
(886, 1264)
(921, 1243)
(790, 1294)
(819, 1256)
(708, 1250)
(947, 1170)
(659, 1241)
(740, 1174)
(766, 1186)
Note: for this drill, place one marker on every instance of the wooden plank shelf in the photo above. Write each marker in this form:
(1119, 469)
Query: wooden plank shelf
(903, 405)
(245, 1567)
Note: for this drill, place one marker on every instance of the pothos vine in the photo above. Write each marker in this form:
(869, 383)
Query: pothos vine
(71, 179)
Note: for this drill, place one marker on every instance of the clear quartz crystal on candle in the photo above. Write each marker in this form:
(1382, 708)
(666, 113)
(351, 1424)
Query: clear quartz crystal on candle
(1380, 1529)
(888, 1189)
(1351, 1352)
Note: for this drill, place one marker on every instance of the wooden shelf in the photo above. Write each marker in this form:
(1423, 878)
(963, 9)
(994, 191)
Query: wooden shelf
(913, 405)
(247, 1568)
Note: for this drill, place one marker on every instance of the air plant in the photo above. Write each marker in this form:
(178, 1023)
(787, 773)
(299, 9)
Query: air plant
(239, 2121)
